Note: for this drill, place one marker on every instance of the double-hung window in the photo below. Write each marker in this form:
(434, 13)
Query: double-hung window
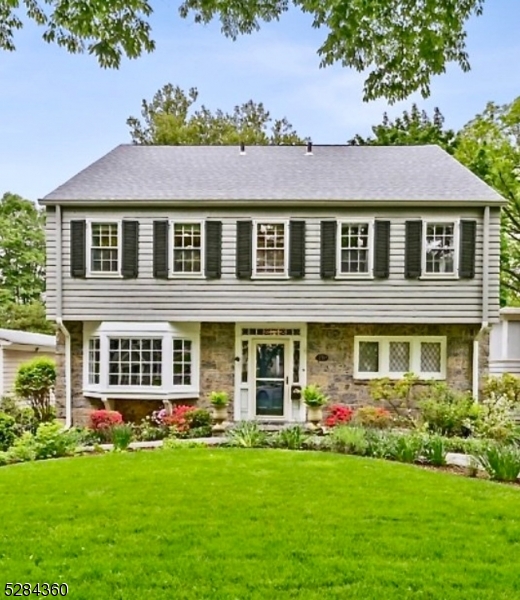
(187, 248)
(385, 356)
(270, 249)
(440, 244)
(104, 247)
(355, 248)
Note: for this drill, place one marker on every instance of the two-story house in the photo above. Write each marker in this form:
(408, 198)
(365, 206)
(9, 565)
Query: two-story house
(175, 271)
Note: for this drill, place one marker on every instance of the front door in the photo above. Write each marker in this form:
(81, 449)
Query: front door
(270, 380)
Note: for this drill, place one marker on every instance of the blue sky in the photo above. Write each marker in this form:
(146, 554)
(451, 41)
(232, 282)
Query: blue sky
(59, 113)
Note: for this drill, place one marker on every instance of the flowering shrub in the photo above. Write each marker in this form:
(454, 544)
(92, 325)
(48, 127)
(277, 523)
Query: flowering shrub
(339, 414)
(179, 419)
(372, 416)
(103, 421)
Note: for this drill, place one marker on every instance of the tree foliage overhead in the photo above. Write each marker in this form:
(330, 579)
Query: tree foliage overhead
(414, 128)
(169, 119)
(489, 145)
(22, 250)
(400, 44)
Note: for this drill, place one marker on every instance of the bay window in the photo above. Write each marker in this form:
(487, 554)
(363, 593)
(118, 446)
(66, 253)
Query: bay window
(141, 359)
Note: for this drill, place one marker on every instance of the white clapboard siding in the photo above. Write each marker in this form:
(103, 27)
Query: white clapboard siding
(392, 300)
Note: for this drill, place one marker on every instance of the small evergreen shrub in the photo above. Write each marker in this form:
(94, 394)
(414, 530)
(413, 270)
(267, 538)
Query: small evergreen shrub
(34, 383)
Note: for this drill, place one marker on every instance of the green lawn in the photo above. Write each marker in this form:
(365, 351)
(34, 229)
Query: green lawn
(241, 524)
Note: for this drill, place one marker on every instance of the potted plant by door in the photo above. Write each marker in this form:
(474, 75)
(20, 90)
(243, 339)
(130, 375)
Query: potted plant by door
(219, 401)
(315, 399)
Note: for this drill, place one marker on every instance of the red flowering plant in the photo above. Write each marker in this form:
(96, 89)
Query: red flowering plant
(338, 414)
(188, 421)
(104, 421)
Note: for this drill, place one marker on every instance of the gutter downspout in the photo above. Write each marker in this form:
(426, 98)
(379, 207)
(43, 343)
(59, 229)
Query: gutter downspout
(485, 302)
(59, 320)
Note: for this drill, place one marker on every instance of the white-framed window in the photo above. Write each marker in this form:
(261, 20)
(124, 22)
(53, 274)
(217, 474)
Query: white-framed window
(270, 248)
(134, 361)
(141, 359)
(393, 356)
(104, 247)
(94, 360)
(440, 248)
(187, 248)
(355, 248)
(182, 362)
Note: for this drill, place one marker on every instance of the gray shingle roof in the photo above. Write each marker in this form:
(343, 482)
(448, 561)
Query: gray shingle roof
(13, 336)
(221, 173)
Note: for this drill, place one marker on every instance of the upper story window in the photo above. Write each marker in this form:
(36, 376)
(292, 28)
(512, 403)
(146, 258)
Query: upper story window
(440, 248)
(104, 251)
(270, 248)
(355, 248)
(187, 248)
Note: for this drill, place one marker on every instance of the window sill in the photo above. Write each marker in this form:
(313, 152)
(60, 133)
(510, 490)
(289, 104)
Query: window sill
(186, 276)
(422, 378)
(270, 277)
(354, 276)
(144, 394)
(437, 276)
(103, 276)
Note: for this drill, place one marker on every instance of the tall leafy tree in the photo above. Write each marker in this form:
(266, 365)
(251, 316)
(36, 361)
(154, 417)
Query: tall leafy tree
(489, 145)
(414, 128)
(170, 119)
(22, 250)
(400, 43)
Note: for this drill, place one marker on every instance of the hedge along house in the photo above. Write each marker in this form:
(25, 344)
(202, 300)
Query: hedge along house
(175, 271)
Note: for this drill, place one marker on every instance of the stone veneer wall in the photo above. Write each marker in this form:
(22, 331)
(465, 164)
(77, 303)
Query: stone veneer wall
(335, 376)
(217, 373)
(217, 361)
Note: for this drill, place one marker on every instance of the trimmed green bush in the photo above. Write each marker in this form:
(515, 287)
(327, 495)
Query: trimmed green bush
(34, 383)
(7, 431)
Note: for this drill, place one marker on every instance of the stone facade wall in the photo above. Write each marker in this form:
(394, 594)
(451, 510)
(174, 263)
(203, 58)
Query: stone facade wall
(336, 378)
(217, 361)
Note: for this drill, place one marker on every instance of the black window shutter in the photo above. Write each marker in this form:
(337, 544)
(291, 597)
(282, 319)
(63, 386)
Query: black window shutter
(382, 249)
(244, 264)
(297, 249)
(328, 249)
(160, 249)
(78, 250)
(130, 258)
(468, 238)
(413, 250)
(213, 249)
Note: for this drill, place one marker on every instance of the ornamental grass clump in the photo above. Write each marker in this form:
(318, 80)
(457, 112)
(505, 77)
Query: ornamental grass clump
(501, 462)
(349, 440)
(122, 436)
(247, 434)
(292, 438)
(434, 450)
